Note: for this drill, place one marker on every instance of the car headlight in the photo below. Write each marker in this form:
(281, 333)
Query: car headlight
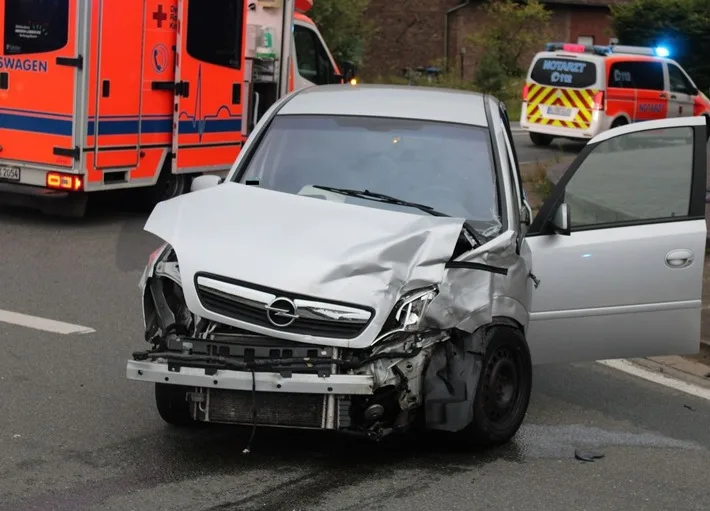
(408, 312)
(153, 259)
(411, 308)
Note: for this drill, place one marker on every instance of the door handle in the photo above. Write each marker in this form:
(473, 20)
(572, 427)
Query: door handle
(673, 96)
(663, 96)
(680, 258)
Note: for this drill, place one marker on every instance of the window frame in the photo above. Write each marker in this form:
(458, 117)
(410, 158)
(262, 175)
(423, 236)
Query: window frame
(239, 42)
(66, 34)
(321, 51)
(689, 83)
(542, 224)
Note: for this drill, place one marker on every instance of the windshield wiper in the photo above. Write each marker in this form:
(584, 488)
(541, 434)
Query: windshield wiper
(388, 199)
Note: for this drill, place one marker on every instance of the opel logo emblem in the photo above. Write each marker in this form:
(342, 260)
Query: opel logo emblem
(281, 312)
(559, 94)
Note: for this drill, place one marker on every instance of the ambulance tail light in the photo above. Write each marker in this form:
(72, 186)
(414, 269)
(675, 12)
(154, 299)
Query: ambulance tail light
(68, 182)
(599, 101)
(526, 91)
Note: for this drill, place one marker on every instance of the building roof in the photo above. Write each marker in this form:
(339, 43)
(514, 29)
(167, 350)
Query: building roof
(394, 101)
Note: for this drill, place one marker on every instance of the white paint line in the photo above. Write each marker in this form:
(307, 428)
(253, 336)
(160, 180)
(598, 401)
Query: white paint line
(662, 379)
(37, 323)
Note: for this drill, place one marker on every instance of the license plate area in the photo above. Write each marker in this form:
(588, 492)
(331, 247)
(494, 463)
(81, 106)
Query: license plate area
(559, 111)
(9, 173)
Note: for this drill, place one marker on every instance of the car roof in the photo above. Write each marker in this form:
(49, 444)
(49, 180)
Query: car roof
(394, 101)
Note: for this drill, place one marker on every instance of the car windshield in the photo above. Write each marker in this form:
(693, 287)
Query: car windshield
(448, 167)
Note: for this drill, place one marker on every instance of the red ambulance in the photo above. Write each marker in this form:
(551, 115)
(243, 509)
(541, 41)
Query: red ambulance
(99, 95)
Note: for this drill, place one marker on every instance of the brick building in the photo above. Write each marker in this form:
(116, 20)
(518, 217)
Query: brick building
(412, 33)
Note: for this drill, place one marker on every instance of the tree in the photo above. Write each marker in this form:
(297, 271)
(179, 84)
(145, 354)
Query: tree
(512, 29)
(681, 25)
(343, 26)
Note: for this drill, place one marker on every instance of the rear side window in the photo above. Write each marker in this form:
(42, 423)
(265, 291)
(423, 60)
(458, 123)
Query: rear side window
(214, 32)
(636, 75)
(560, 72)
(35, 26)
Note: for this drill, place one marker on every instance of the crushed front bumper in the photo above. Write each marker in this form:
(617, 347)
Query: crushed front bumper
(297, 383)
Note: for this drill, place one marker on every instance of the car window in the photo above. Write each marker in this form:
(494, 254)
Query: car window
(313, 62)
(561, 72)
(636, 75)
(35, 26)
(214, 32)
(678, 81)
(446, 166)
(640, 176)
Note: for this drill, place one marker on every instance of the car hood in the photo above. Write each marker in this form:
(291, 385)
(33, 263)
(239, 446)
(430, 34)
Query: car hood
(327, 250)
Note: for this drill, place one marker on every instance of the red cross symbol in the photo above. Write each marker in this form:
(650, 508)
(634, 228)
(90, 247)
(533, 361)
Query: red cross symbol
(159, 16)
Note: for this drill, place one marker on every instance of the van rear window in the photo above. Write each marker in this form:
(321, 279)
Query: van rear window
(561, 72)
(35, 26)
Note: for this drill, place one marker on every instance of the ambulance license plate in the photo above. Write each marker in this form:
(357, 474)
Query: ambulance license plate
(9, 173)
(560, 111)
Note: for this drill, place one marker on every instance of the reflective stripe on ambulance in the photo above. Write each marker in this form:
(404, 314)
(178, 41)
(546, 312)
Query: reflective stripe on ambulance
(581, 99)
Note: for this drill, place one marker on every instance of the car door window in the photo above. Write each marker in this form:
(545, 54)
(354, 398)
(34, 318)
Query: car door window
(636, 75)
(637, 177)
(313, 62)
(678, 81)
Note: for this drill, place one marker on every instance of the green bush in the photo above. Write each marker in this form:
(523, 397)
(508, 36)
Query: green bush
(343, 25)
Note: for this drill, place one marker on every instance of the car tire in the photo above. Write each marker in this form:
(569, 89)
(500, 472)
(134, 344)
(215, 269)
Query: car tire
(503, 391)
(172, 405)
(541, 140)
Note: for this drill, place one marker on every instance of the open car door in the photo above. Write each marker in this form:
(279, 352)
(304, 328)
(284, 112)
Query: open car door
(619, 247)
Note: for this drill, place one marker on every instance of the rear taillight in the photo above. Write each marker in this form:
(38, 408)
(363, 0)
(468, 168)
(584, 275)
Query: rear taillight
(59, 181)
(599, 101)
(526, 90)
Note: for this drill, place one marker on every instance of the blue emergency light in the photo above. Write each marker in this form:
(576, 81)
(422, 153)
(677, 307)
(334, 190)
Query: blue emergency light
(662, 51)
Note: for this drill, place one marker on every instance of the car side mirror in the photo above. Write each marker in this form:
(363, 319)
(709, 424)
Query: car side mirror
(562, 220)
(204, 182)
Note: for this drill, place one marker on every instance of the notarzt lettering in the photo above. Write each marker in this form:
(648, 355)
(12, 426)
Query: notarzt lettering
(560, 65)
(651, 107)
(32, 65)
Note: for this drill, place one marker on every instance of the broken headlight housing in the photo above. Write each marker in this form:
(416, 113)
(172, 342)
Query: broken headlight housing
(408, 312)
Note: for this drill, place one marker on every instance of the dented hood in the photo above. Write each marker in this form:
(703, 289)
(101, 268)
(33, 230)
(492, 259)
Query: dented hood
(327, 250)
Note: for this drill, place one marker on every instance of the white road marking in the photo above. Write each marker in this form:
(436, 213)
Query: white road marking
(37, 323)
(662, 379)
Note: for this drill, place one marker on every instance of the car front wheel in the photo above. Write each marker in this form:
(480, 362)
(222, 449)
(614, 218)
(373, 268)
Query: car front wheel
(503, 391)
(172, 405)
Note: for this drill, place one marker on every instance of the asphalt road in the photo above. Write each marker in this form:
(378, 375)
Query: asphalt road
(76, 435)
(528, 152)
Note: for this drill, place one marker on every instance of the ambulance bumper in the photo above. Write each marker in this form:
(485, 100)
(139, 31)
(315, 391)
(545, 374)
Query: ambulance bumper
(342, 384)
(39, 197)
(571, 133)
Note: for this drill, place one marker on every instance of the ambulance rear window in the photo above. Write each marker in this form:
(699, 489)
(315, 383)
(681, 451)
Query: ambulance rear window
(35, 26)
(214, 32)
(561, 72)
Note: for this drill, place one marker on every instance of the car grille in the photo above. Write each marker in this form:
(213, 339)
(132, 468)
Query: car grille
(272, 408)
(255, 313)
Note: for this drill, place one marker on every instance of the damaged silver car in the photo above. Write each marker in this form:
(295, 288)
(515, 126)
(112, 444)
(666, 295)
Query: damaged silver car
(371, 264)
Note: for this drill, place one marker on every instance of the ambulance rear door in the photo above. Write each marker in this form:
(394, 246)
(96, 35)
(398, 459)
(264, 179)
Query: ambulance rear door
(209, 80)
(562, 90)
(40, 65)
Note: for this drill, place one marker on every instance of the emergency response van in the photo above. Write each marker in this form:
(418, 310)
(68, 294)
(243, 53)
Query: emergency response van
(577, 91)
(99, 95)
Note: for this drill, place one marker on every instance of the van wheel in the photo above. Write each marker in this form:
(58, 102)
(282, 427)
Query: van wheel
(541, 140)
(173, 408)
(618, 122)
(503, 391)
(171, 185)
